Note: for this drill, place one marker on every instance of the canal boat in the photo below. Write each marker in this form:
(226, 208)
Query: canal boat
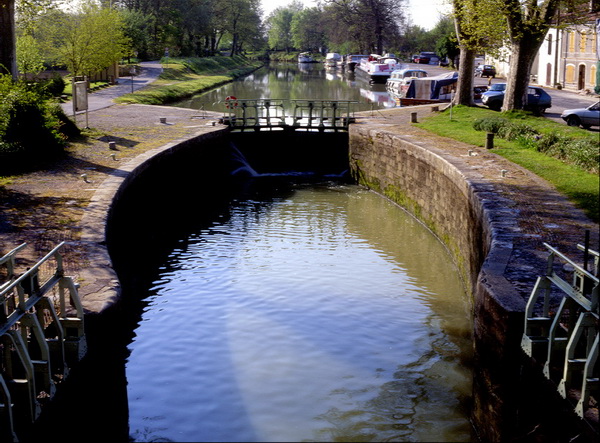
(305, 57)
(400, 80)
(439, 87)
(333, 60)
(376, 68)
(351, 60)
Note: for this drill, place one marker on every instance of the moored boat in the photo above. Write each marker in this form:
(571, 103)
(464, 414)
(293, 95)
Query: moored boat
(377, 68)
(333, 60)
(400, 79)
(351, 60)
(305, 57)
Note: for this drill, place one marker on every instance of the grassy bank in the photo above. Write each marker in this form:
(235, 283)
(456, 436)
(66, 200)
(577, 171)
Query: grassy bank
(580, 183)
(184, 77)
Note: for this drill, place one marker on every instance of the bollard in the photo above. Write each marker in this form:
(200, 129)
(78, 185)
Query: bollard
(163, 119)
(435, 109)
(489, 141)
(112, 146)
(503, 173)
(413, 117)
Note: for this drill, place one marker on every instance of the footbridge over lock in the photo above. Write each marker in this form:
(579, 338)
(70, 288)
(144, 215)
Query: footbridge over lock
(264, 114)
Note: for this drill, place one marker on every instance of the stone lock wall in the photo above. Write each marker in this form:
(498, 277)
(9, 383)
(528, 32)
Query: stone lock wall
(463, 211)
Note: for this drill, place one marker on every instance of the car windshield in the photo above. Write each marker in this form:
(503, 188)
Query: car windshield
(498, 87)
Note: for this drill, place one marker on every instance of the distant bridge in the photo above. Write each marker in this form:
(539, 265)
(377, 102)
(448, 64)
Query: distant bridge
(288, 115)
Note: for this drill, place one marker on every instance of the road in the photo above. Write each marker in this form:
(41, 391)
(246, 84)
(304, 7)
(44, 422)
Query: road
(561, 99)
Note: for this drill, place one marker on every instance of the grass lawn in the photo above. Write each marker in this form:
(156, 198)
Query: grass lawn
(580, 186)
(183, 78)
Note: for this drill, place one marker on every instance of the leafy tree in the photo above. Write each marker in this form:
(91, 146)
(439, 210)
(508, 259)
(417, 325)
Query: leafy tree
(279, 24)
(527, 25)
(89, 40)
(374, 24)
(29, 57)
(307, 31)
(479, 28)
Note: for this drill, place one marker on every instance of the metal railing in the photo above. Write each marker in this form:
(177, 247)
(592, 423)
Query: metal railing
(566, 339)
(41, 337)
(294, 115)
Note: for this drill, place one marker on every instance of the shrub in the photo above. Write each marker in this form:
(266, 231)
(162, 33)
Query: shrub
(579, 152)
(55, 86)
(29, 129)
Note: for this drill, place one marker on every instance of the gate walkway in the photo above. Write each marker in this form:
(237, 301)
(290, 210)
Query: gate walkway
(291, 115)
(567, 340)
(41, 337)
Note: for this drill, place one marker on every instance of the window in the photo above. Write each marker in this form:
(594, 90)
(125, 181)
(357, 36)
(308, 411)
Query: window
(572, 41)
(549, 44)
(570, 74)
(582, 42)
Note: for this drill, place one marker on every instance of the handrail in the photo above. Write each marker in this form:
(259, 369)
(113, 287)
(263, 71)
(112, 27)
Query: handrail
(566, 340)
(28, 316)
(306, 114)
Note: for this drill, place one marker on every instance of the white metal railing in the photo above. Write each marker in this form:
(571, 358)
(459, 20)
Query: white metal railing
(273, 114)
(41, 336)
(566, 339)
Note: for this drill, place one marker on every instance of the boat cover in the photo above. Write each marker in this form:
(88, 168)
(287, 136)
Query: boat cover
(432, 88)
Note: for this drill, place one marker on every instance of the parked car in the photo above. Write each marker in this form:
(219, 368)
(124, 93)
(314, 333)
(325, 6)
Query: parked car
(444, 62)
(485, 71)
(538, 100)
(585, 117)
(478, 90)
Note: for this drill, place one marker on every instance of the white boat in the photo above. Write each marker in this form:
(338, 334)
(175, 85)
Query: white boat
(333, 59)
(377, 68)
(352, 60)
(305, 57)
(400, 80)
(439, 87)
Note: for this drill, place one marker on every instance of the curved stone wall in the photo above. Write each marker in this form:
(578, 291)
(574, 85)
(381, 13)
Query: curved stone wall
(482, 228)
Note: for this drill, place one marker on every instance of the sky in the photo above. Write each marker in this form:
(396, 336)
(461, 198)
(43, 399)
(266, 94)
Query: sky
(424, 13)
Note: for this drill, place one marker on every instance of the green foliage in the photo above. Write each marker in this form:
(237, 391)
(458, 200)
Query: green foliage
(576, 151)
(30, 129)
(29, 57)
(580, 185)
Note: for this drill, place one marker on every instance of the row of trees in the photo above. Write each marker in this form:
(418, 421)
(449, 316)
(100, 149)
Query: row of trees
(84, 39)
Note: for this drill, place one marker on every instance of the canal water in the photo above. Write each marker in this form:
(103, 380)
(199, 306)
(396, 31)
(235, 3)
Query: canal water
(317, 311)
(310, 309)
(297, 81)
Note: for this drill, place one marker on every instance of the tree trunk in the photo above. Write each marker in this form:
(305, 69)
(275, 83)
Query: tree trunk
(8, 52)
(464, 93)
(522, 55)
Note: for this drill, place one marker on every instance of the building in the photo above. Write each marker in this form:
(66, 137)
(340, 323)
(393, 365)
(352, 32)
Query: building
(568, 58)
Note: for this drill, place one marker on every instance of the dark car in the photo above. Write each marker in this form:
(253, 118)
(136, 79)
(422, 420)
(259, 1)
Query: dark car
(478, 91)
(485, 71)
(538, 100)
(585, 117)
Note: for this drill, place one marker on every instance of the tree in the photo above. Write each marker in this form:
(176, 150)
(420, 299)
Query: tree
(279, 24)
(373, 23)
(479, 27)
(307, 31)
(8, 51)
(29, 57)
(527, 24)
(89, 40)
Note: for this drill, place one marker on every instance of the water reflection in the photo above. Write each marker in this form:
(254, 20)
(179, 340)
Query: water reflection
(324, 313)
(298, 81)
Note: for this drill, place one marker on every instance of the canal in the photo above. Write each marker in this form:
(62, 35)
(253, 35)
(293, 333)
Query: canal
(298, 81)
(275, 305)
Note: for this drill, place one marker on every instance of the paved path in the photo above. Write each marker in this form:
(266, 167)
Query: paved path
(104, 97)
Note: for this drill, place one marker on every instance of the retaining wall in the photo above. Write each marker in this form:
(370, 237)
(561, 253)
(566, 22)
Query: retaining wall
(477, 224)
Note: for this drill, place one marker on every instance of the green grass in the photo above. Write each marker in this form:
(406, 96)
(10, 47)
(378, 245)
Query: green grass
(580, 186)
(183, 78)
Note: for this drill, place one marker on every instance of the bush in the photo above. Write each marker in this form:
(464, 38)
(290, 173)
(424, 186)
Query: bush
(29, 127)
(579, 152)
(55, 86)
